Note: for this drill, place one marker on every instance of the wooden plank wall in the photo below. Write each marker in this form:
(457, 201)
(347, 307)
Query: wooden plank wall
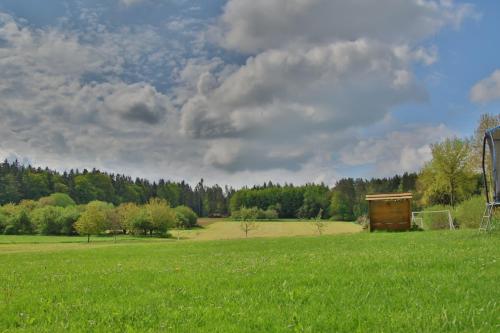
(390, 215)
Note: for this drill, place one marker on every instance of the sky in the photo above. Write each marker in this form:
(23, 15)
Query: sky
(240, 92)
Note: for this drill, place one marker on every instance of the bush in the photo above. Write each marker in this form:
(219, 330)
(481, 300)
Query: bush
(469, 213)
(363, 221)
(47, 220)
(3, 222)
(68, 218)
(17, 220)
(254, 213)
(29, 205)
(57, 199)
(437, 221)
(141, 221)
(271, 214)
(185, 217)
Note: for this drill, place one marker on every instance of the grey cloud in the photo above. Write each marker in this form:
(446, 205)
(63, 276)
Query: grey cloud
(253, 26)
(54, 114)
(136, 102)
(397, 151)
(141, 112)
(129, 99)
(487, 89)
(199, 120)
(236, 156)
(323, 88)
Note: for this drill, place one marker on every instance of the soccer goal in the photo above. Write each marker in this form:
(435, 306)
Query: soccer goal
(433, 219)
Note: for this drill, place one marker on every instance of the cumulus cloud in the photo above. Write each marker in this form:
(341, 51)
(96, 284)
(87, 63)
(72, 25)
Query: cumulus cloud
(405, 150)
(137, 102)
(326, 87)
(314, 69)
(487, 89)
(285, 95)
(236, 156)
(277, 96)
(64, 103)
(253, 26)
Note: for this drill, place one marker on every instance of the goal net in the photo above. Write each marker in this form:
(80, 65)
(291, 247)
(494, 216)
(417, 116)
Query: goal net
(433, 219)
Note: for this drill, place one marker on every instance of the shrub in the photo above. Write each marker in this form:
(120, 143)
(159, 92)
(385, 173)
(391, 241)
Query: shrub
(29, 205)
(363, 221)
(47, 220)
(57, 199)
(254, 213)
(270, 214)
(185, 217)
(436, 221)
(141, 221)
(68, 218)
(249, 214)
(18, 221)
(470, 212)
(3, 222)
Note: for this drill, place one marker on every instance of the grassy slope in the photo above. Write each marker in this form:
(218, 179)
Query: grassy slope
(406, 282)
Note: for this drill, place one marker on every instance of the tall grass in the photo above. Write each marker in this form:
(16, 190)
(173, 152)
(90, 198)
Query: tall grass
(469, 213)
(466, 215)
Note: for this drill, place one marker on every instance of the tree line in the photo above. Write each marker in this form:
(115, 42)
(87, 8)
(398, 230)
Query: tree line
(450, 177)
(345, 201)
(19, 182)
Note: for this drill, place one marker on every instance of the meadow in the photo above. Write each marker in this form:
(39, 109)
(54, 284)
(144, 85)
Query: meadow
(227, 229)
(380, 282)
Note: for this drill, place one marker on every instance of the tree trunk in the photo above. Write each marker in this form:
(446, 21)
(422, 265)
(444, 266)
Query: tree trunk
(452, 194)
(88, 238)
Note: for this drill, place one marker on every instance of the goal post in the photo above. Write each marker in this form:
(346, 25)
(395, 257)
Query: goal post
(433, 219)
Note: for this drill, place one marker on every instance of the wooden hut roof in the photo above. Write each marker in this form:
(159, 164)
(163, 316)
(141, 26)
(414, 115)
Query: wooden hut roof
(391, 196)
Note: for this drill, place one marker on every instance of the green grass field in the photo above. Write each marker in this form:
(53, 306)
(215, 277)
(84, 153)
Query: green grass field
(35, 239)
(381, 282)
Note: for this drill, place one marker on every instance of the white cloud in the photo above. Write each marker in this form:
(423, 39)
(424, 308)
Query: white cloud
(253, 26)
(487, 89)
(315, 70)
(279, 97)
(64, 104)
(403, 150)
(133, 98)
(129, 3)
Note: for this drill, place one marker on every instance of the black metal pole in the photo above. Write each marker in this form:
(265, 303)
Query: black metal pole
(484, 170)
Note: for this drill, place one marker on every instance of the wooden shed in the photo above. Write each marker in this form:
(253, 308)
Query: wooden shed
(390, 211)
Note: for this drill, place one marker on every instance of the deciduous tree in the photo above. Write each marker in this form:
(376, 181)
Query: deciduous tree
(94, 219)
(449, 177)
(161, 215)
